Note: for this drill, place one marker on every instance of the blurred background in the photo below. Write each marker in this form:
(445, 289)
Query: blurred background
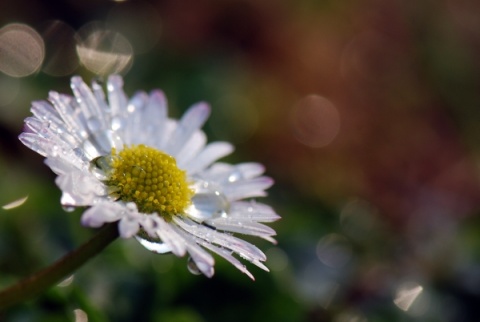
(366, 114)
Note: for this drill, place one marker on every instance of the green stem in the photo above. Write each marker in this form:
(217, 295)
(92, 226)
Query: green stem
(38, 282)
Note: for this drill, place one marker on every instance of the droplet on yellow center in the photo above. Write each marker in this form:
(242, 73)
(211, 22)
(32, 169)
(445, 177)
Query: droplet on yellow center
(150, 179)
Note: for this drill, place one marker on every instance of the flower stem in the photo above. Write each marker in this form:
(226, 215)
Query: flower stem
(38, 282)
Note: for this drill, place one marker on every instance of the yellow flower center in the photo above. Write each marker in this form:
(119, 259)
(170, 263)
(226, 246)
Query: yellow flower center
(150, 179)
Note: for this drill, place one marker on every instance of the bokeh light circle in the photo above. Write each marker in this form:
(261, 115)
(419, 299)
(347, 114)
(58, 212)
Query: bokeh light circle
(103, 51)
(21, 50)
(315, 121)
(334, 250)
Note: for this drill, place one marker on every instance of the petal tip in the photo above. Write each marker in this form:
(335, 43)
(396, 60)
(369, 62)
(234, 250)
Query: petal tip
(202, 107)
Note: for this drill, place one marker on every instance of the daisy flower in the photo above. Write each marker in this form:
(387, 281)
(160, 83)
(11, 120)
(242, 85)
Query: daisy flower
(129, 163)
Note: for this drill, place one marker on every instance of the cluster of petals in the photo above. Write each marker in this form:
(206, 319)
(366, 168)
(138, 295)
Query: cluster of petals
(71, 132)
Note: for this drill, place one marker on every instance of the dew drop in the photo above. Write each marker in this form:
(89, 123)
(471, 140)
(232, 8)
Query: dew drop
(67, 202)
(68, 208)
(235, 176)
(101, 166)
(114, 139)
(102, 162)
(93, 124)
(207, 202)
(117, 123)
(199, 268)
(55, 128)
(153, 245)
(55, 150)
(192, 267)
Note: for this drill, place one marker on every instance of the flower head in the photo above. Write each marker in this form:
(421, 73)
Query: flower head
(128, 162)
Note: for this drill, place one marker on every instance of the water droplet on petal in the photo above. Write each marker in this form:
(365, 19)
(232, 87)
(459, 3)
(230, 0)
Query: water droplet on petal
(67, 201)
(115, 140)
(55, 150)
(192, 267)
(207, 202)
(153, 245)
(102, 164)
(68, 208)
(117, 123)
(93, 124)
(235, 176)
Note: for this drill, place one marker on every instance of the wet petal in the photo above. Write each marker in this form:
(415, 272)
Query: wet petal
(128, 226)
(72, 131)
(101, 213)
(190, 122)
(210, 154)
(248, 188)
(226, 254)
(241, 225)
(253, 210)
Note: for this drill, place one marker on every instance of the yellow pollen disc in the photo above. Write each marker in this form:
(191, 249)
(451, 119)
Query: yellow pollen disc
(150, 179)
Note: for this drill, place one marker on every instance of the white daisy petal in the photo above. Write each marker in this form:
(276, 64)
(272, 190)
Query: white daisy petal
(154, 119)
(248, 188)
(116, 96)
(128, 226)
(96, 119)
(226, 173)
(38, 127)
(191, 121)
(79, 189)
(59, 166)
(237, 245)
(50, 146)
(48, 124)
(155, 176)
(71, 162)
(254, 211)
(36, 143)
(203, 260)
(258, 264)
(89, 105)
(211, 153)
(73, 118)
(217, 172)
(250, 170)
(99, 94)
(135, 122)
(52, 130)
(91, 150)
(45, 112)
(157, 227)
(191, 148)
(228, 256)
(102, 213)
(269, 239)
(240, 225)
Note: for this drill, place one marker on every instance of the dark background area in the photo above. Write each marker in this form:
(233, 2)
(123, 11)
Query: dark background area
(365, 113)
